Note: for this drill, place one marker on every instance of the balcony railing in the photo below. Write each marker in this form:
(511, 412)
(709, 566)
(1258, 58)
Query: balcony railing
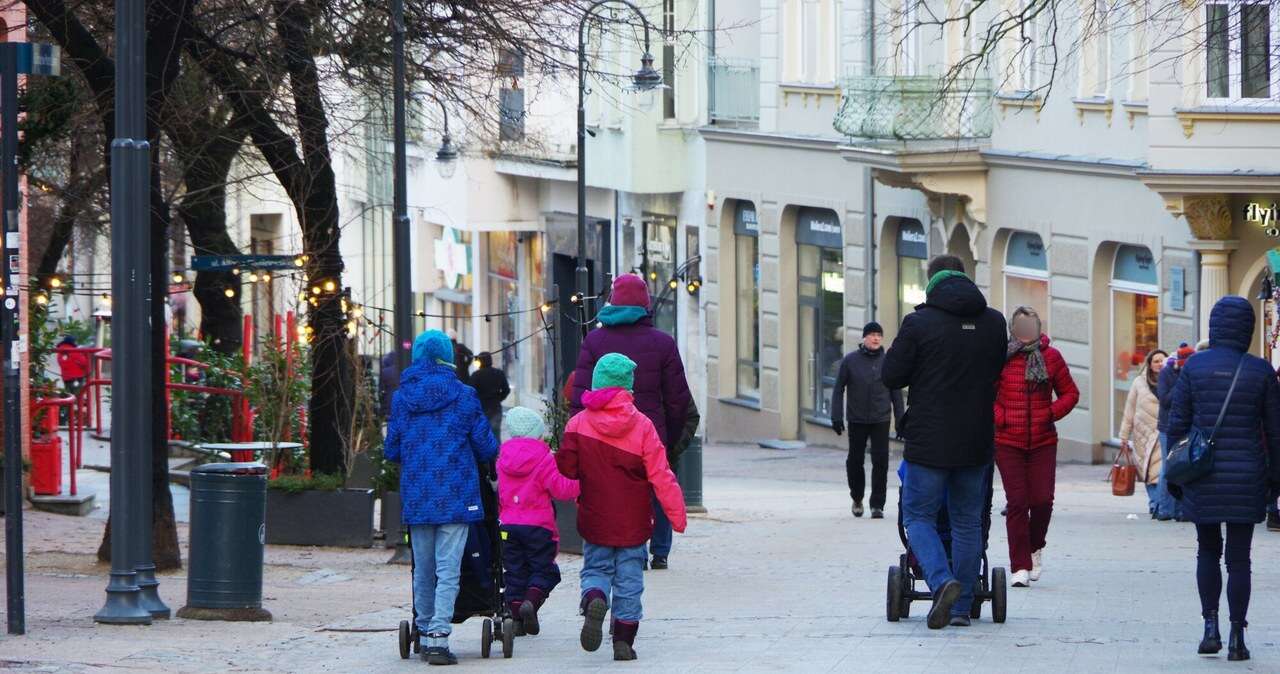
(735, 91)
(914, 108)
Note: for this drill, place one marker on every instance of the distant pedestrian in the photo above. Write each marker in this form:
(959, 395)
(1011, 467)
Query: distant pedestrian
(615, 453)
(949, 353)
(1035, 392)
(438, 434)
(528, 480)
(462, 358)
(1164, 391)
(73, 365)
(1246, 461)
(1140, 433)
(388, 381)
(661, 390)
(870, 404)
(491, 385)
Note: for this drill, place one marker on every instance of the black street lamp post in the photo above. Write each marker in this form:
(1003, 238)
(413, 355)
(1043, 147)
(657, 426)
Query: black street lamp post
(643, 80)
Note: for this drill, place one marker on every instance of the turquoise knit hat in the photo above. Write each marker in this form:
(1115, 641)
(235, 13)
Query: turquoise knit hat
(522, 422)
(614, 369)
(434, 346)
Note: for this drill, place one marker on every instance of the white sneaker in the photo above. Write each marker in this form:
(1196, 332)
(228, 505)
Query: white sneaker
(1021, 579)
(1037, 564)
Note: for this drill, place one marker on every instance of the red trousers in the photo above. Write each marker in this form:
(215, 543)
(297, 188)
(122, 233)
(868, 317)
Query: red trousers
(1028, 476)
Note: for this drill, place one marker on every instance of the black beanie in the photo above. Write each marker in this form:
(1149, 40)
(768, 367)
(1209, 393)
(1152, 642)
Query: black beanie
(872, 327)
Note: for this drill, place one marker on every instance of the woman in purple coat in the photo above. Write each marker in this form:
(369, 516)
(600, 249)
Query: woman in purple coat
(661, 390)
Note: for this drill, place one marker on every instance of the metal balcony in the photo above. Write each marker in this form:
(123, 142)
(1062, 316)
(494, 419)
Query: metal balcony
(887, 107)
(734, 91)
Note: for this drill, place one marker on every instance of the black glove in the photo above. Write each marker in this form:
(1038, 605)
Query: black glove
(1174, 490)
(838, 427)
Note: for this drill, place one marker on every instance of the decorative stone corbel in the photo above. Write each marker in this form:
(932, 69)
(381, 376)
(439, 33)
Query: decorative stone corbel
(1208, 216)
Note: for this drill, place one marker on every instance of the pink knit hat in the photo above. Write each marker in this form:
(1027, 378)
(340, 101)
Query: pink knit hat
(629, 290)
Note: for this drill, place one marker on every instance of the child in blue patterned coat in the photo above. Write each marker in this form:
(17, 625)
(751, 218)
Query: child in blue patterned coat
(437, 433)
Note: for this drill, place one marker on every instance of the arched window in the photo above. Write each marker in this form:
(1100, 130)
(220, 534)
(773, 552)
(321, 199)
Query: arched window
(1135, 321)
(1026, 276)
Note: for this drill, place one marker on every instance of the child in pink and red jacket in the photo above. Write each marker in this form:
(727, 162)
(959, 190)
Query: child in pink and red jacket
(527, 481)
(621, 464)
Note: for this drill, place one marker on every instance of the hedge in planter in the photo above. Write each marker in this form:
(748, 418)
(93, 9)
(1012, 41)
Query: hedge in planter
(318, 511)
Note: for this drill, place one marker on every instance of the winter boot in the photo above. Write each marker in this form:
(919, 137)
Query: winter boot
(659, 563)
(533, 598)
(1236, 649)
(1212, 641)
(624, 639)
(594, 608)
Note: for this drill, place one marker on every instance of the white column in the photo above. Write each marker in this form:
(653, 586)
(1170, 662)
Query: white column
(1215, 280)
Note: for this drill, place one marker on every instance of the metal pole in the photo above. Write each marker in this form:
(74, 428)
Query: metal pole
(16, 591)
(130, 282)
(403, 326)
(581, 271)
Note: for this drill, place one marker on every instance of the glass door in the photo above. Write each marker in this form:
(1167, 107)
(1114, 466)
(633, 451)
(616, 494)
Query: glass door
(821, 333)
(810, 328)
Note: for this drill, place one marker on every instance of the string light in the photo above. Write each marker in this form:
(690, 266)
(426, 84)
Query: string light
(253, 277)
(315, 290)
(673, 283)
(236, 271)
(653, 276)
(55, 283)
(266, 277)
(545, 307)
(229, 292)
(298, 261)
(330, 286)
(42, 299)
(178, 277)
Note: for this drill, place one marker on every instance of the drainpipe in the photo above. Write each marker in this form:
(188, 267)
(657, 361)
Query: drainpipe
(868, 178)
(1195, 311)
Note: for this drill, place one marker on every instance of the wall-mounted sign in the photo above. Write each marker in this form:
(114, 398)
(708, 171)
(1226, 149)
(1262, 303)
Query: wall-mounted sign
(452, 257)
(819, 227)
(1178, 288)
(1026, 250)
(1265, 216)
(1135, 264)
(744, 219)
(913, 241)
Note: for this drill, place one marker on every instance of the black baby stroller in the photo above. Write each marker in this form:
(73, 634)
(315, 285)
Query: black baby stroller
(992, 583)
(479, 587)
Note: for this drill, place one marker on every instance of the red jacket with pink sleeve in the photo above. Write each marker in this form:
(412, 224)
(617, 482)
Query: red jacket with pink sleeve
(620, 463)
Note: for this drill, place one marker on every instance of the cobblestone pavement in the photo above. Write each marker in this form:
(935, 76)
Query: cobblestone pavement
(777, 577)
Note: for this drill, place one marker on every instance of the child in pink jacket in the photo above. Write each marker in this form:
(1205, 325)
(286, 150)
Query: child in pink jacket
(527, 481)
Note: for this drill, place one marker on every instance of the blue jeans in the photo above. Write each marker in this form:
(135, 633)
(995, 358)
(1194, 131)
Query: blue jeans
(1166, 504)
(437, 565)
(963, 491)
(660, 543)
(619, 574)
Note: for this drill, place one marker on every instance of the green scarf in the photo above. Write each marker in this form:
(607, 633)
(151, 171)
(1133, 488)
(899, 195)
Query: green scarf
(942, 276)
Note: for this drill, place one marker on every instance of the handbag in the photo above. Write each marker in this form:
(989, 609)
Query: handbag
(1124, 472)
(1192, 458)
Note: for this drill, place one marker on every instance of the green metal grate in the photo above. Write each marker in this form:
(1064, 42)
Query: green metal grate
(914, 108)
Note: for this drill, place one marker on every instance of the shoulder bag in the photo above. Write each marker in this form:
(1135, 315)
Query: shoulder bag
(1192, 458)
(1123, 473)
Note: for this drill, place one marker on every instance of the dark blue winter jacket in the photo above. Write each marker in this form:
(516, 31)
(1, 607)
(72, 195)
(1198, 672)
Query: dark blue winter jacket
(1247, 446)
(438, 434)
(1164, 393)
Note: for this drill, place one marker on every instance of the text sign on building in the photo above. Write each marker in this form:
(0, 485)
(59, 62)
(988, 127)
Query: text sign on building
(1265, 216)
(1178, 288)
(745, 220)
(1026, 250)
(818, 227)
(913, 241)
(452, 258)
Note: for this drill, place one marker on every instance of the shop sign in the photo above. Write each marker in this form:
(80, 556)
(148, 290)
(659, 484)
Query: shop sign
(1265, 216)
(1026, 250)
(819, 227)
(452, 257)
(1178, 288)
(502, 254)
(913, 241)
(744, 219)
(1135, 264)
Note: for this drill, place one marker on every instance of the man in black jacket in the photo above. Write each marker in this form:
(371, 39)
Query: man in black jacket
(870, 404)
(949, 353)
(492, 388)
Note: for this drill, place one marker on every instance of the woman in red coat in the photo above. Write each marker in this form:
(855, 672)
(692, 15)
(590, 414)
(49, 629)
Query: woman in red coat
(1027, 441)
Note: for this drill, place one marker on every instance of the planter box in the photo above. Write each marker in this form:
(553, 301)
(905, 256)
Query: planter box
(363, 472)
(567, 523)
(341, 518)
(390, 518)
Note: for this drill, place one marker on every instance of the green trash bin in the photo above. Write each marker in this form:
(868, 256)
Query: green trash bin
(228, 535)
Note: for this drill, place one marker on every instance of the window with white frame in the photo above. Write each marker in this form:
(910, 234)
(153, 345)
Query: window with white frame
(809, 42)
(1029, 46)
(1138, 47)
(1240, 47)
(1096, 64)
(910, 58)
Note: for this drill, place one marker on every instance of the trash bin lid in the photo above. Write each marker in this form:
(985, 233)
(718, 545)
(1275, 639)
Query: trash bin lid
(248, 468)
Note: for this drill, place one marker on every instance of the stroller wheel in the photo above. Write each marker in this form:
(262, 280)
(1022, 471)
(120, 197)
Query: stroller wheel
(893, 602)
(404, 639)
(508, 637)
(999, 594)
(486, 638)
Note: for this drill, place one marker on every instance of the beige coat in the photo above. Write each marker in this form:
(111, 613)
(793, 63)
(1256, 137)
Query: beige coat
(1140, 428)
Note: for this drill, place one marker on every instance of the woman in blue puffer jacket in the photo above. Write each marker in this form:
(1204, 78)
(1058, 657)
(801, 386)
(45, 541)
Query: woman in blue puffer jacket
(1246, 461)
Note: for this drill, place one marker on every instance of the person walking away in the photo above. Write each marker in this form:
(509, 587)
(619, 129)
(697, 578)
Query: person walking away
(870, 403)
(617, 456)
(1035, 392)
(1226, 383)
(1164, 391)
(1140, 434)
(528, 480)
(949, 352)
(462, 358)
(388, 381)
(73, 365)
(661, 390)
(491, 385)
(438, 434)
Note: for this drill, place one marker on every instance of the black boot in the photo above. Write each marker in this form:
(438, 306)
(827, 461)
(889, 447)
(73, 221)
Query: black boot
(1236, 649)
(1212, 641)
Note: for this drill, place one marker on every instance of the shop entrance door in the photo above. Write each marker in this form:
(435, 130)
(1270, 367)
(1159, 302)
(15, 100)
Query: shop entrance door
(821, 329)
(567, 331)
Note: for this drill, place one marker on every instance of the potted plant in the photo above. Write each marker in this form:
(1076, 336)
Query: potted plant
(556, 413)
(386, 485)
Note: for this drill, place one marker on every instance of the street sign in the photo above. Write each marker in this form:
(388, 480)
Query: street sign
(246, 262)
(35, 58)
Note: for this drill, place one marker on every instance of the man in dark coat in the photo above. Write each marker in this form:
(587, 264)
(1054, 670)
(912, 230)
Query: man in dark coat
(491, 385)
(462, 358)
(661, 390)
(388, 382)
(1246, 460)
(870, 404)
(949, 353)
